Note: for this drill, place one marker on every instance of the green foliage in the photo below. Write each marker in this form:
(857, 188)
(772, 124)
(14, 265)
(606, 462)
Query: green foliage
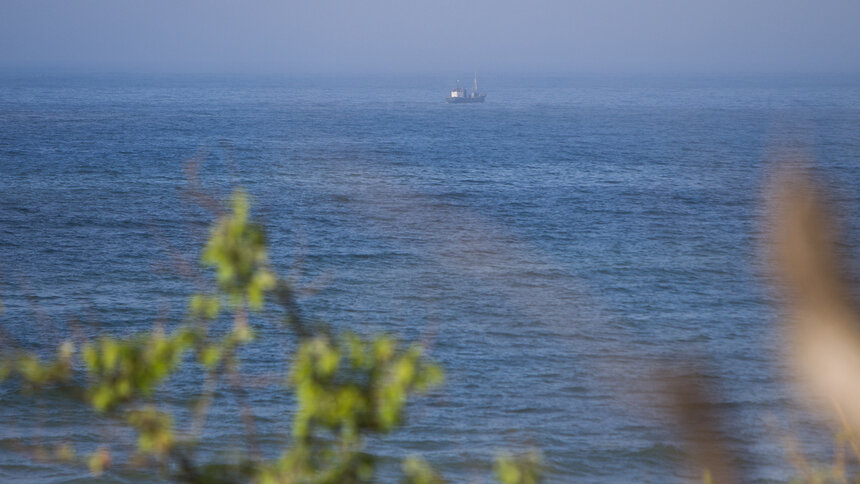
(356, 385)
(204, 306)
(213, 353)
(520, 469)
(417, 471)
(237, 251)
(121, 370)
(99, 461)
(308, 464)
(35, 374)
(347, 387)
(155, 430)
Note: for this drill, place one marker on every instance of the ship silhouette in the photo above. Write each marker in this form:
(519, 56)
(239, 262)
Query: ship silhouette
(460, 95)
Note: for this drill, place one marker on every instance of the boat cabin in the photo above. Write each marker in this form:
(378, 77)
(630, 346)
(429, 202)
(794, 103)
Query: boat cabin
(458, 92)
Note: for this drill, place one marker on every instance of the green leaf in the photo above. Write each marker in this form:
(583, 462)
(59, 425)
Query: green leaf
(520, 469)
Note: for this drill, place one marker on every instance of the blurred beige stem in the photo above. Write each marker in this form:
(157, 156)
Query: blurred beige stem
(701, 428)
(824, 338)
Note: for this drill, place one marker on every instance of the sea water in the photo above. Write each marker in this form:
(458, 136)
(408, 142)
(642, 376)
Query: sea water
(558, 249)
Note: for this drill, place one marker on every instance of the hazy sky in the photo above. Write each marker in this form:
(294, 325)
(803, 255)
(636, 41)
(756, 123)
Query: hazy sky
(388, 36)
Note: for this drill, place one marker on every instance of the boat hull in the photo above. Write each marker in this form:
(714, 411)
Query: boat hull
(465, 100)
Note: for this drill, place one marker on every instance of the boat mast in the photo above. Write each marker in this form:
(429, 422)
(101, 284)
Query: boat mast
(476, 83)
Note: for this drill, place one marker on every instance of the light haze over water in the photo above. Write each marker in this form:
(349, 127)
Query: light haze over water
(554, 244)
(598, 216)
(435, 37)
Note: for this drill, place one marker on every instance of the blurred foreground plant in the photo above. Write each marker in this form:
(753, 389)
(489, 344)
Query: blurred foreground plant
(822, 316)
(346, 387)
(821, 321)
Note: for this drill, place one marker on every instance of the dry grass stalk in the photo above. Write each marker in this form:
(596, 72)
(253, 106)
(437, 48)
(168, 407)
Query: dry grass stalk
(700, 426)
(824, 338)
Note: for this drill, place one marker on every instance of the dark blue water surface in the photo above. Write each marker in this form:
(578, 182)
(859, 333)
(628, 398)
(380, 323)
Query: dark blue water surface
(556, 246)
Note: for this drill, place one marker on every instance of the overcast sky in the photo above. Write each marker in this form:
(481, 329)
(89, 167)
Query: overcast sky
(391, 36)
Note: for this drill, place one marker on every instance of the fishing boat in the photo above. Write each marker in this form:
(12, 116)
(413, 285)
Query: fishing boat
(460, 95)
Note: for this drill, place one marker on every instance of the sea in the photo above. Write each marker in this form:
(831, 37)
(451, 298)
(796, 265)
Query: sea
(560, 250)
